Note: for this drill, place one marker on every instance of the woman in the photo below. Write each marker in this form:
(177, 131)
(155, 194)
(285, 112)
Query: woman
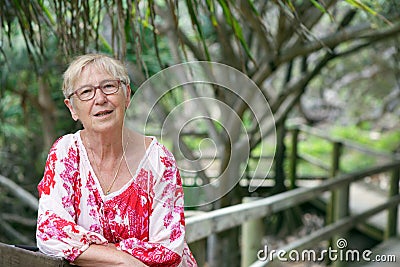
(109, 196)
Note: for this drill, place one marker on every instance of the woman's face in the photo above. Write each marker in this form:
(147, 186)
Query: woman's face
(103, 112)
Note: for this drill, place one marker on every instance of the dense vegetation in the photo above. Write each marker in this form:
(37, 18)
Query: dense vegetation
(322, 63)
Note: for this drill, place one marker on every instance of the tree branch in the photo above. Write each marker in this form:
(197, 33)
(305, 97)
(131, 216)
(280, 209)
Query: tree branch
(354, 33)
(19, 192)
(14, 234)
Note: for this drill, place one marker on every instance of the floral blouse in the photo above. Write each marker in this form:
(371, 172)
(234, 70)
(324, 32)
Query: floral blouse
(144, 218)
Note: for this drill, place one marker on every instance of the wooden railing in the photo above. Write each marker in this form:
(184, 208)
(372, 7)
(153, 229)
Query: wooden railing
(11, 256)
(200, 227)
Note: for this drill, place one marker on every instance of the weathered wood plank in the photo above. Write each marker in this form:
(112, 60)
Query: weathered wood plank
(12, 256)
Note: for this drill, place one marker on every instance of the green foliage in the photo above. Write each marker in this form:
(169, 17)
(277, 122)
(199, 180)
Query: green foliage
(351, 160)
(387, 141)
(317, 148)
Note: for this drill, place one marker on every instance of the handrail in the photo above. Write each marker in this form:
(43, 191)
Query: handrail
(315, 161)
(328, 231)
(18, 257)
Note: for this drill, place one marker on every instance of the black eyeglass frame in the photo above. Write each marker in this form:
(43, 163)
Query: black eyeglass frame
(100, 86)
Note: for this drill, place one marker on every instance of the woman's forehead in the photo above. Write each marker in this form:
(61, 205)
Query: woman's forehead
(92, 74)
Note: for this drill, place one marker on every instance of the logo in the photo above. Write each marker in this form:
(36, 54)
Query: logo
(216, 108)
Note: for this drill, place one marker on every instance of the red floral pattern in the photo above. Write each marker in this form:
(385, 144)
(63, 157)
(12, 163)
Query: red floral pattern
(48, 181)
(145, 218)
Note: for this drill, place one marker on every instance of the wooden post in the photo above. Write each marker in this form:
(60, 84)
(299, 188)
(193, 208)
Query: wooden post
(252, 233)
(391, 228)
(338, 207)
(340, 210)
(199, 249)
(335, 167)
(293, 159)
(341, 204)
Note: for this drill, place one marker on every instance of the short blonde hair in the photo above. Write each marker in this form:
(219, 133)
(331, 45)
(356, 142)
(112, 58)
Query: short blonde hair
(111, 65)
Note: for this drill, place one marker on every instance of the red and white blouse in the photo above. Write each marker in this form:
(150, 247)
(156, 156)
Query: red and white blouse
(145, 218)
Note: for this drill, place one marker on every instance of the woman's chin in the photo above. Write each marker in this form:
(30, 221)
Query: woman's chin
(105, 127)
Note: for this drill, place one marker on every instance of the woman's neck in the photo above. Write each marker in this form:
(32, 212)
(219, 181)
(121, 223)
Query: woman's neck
(105, 146)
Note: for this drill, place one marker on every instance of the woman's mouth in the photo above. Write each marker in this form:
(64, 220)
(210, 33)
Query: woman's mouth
(103, 113)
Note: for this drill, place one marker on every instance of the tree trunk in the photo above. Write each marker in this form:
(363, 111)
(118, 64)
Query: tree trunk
(48, 113)
(280, 159)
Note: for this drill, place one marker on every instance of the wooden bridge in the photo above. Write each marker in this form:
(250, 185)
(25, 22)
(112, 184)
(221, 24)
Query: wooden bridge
(348, 205)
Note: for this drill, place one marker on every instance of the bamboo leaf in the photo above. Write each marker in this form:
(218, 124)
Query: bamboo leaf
(196, 23)
(211, 8)
(253, 8)
(361, 5)
(104, 42)
(235, 25)
(319, 6)
(322, 9)
(291, 6)
(226, 11)
(239, 34)
(47, 12)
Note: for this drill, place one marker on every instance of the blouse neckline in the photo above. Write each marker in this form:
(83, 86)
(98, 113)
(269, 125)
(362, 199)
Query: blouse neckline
(127, 184)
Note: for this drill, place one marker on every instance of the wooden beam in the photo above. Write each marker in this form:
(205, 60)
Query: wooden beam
(12, 256)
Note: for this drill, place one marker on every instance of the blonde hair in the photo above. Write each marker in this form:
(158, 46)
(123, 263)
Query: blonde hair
(111, 65)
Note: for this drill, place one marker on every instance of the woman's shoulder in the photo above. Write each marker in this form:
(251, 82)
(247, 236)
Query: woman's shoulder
(147, 143)
(66, 141)
(159, 148)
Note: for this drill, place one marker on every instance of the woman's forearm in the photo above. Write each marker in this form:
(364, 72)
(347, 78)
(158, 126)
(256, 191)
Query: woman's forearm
(106, 255)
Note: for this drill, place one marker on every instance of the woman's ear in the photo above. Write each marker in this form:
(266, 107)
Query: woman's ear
(71, 108)
(128, 95)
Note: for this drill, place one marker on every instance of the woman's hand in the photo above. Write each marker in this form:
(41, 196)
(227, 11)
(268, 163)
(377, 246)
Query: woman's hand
(106, 255)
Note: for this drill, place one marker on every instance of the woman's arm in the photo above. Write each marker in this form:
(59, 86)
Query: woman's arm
(57, 232)
(106, 255)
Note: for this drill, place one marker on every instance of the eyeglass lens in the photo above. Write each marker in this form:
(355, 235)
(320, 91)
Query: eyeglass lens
(108, 87)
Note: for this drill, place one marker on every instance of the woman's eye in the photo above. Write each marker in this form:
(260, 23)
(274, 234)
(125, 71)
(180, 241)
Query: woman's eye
(86, 91)
(109, 85)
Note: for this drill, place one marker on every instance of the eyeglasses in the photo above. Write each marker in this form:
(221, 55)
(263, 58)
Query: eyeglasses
(87, 92)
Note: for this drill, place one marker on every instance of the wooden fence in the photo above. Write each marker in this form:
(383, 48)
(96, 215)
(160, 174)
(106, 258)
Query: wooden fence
(200, 227)
(339, 221)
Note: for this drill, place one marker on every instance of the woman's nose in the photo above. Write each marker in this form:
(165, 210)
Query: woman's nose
(99, 96)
